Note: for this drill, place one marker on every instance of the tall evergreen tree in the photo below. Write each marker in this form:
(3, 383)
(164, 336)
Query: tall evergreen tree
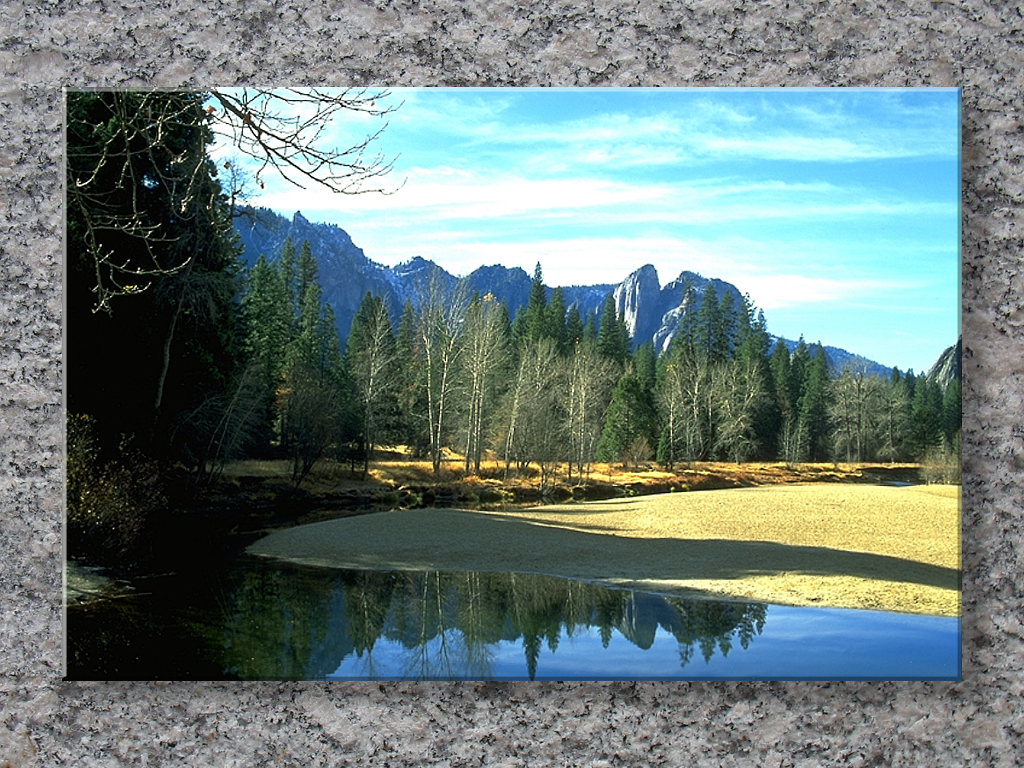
(685, 334)
(288, 269)
(707, 326)
(590, 329)
(307, 272)
(752, 347)
(814, 405)
(268, 323)
(645, 366)
(629, 423)
(778, 362)
(535, 315)
(612, 336)
(952, 408)
(410, 395)
(573, 328)
(313, 401)
(724, 345)
(555, 322)
(925, 417)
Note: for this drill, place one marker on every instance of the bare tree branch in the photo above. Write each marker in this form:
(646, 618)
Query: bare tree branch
(283, 131)
(138, 169)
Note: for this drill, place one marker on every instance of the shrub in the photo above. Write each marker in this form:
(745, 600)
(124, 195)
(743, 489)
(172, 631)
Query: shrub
(108, 502)
(942, 465)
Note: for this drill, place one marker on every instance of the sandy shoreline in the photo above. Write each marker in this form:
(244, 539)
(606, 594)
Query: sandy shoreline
(851, 546)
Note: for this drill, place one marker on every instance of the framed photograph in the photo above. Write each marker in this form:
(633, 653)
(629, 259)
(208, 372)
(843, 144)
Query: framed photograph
(513, 384)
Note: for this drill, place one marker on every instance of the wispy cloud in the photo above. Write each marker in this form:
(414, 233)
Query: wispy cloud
(804, 199)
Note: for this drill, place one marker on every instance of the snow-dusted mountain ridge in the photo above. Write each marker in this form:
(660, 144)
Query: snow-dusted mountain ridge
(652, 312)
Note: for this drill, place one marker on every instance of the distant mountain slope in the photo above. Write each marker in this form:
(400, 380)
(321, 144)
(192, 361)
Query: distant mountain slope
(652, 312)
(839, 359)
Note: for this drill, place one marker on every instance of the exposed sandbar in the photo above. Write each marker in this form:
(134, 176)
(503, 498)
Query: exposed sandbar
(851, 546)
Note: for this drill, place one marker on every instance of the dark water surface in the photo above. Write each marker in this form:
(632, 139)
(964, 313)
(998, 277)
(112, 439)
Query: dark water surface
(265, 620)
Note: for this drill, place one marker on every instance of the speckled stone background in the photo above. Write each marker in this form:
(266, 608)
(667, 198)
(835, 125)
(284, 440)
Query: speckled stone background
(47, 44)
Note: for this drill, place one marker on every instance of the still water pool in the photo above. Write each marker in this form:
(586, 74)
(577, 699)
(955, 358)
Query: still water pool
(263, 620)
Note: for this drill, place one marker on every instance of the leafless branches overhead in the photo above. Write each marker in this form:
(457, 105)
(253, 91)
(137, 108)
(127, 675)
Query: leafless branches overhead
(283, 130)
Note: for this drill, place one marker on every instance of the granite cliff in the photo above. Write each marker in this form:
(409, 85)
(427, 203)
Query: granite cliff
(652, 312)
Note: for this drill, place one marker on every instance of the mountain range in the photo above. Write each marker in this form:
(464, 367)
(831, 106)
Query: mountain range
(652, 312)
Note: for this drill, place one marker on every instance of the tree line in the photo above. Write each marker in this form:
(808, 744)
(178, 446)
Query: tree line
(551, 389)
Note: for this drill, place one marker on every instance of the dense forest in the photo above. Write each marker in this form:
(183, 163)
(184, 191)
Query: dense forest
(177, 357)
(551, 389)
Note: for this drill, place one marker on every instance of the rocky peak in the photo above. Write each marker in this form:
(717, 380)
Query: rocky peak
(635, 297)
(949, 366)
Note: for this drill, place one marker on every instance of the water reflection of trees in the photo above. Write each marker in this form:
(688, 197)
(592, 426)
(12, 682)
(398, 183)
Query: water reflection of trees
(449, 625)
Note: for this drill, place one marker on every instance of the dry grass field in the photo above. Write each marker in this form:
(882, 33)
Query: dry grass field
(848, 545)
(393, 468)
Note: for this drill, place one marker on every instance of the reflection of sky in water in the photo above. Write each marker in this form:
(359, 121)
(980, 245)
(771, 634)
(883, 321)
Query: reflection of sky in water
(808, 643)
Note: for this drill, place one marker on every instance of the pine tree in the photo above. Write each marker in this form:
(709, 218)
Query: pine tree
(724, 345)
(779, 365)
(798, 362)
(707, 326)
(573, 328)
(612, 336)
(952, 408)
(926, 420)
(534, 316)
(590, 329)
(814, 405)
(267, 317)
(410, 395)
(645, 366)
(307, 271)
(629, 423)
(554, 321)
(685, 335)
(289, 274)
(752, 347)
(313, 402)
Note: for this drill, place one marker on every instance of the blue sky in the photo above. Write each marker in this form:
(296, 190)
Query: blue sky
(837, 210)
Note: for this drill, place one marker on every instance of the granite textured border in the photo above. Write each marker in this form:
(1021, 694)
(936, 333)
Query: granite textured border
(47, 45)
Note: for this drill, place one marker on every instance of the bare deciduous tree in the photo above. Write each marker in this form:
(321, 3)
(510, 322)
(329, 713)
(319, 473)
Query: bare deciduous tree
(589, 376)
(737, 395)
(486, 348)
(856, 414)
(440, 329)
(371, 357)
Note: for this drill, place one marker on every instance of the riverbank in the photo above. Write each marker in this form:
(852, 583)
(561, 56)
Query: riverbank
(844, 545)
